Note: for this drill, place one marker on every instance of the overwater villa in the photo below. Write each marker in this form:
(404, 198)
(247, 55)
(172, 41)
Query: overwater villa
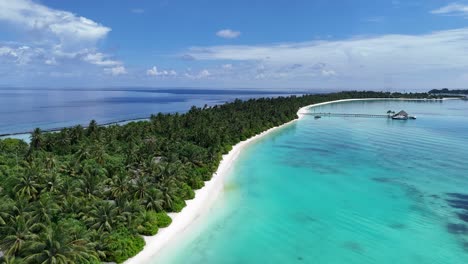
(402, 115)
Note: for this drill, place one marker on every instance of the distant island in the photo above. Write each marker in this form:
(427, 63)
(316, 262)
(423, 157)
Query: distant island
(87, 195)
(448, 91)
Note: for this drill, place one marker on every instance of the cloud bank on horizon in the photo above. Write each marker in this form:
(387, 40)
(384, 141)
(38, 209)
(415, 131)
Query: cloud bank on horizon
(47, 45)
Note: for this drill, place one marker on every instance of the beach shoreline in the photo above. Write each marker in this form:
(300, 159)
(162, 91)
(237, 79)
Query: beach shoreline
(203, 200)
(206, 196)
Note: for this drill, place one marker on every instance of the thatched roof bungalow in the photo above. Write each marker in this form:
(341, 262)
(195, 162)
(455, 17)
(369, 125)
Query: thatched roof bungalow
(400, 115)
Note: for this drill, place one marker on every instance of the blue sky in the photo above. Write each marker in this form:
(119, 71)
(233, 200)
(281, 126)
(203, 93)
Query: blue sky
(380, 45)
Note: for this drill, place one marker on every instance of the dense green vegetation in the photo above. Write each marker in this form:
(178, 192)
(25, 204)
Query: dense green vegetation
(447, 91)
(86, 195)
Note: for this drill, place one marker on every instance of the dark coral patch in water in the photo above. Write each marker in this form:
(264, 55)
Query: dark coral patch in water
(459, 204)
(465, 246)
(459, 201)
(397, 226)
(459, 196)
(377, 179)
(458, 229)
(353, 246)
(304, 218)
(463, 216)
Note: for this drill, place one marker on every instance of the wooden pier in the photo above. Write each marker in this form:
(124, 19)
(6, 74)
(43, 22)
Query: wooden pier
(348, 115)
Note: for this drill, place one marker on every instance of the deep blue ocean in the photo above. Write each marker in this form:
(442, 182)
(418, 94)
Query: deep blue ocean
(22, 110)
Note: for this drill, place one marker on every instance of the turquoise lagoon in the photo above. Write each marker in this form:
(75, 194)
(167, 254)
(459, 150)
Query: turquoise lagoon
(343, 190)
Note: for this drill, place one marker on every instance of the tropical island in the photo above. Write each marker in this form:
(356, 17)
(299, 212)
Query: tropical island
(446, 91)
(88, 195)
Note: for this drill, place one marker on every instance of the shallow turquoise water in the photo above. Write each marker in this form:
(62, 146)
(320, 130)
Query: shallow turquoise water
(344, 190)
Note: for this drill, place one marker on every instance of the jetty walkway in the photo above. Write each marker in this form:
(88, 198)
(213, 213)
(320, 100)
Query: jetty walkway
(348, 115)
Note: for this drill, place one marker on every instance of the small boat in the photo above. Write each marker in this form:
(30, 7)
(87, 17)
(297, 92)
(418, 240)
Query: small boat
(412, 117)
(317, 117)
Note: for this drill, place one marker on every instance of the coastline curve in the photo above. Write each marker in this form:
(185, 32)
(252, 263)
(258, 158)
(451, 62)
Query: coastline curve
(207, 195)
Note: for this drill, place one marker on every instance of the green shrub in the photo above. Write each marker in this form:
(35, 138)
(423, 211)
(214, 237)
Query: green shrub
(178, 204)
(121, 245)
(149, 226)
(186, 192)
(147, 229)
(227, 148)
(195, 182)
(163, 219)
(204, 173)
(152, 221)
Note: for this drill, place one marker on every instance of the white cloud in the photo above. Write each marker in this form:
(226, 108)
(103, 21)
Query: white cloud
(66, 26)
(452, 9)
(50, 61)
(387, 53)
(328, 73)
(155, 72)
(118, 70)
(228, 34)
(100, 59)
(227, 66)
(152, 72)
(200, 75)
(20, 55)
(60, 38)
(365, 61)
(204, 73)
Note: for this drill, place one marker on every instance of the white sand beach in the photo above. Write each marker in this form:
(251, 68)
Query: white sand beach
(206, 196)
(203, 200)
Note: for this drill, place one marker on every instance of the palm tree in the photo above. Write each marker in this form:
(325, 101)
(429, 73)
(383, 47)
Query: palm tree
(131, 153)
(98, 242)
(27, 187)
(76, 134)
(119, 185)
(130, 212)
(3, 217)
(17, 232)
(11, 260)
(67, 189)
(72, 206)
(64, 139)
(21, 206)
(164, 170)
(50, 161)
(91, 180)
(92, 128)
(141, 187)
(43, 211)
(103, 216)
(52, 183)
(153, 200)
(56, 246)
(37, 139)
(169, 191)
(82, 153)
(6, 207)
(99, 152)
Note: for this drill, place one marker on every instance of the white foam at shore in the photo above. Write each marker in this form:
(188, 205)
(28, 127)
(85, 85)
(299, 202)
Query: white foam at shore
(206, 196)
